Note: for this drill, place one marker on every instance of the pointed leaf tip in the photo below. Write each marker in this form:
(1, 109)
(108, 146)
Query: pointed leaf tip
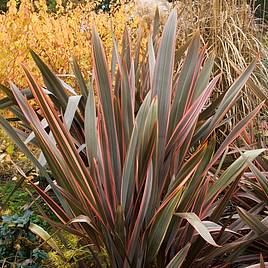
(199, 226)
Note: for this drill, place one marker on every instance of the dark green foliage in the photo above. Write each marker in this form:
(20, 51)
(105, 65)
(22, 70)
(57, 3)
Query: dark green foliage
(18, 245)
(105, 5)
(19, 201)
(51, 4)
(3, 5)
(262, 9)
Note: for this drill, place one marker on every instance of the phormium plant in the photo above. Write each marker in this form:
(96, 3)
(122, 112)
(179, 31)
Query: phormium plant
(136, 168)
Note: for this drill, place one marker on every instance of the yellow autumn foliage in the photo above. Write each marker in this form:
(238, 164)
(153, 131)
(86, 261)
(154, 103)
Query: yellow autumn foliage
(55, 37)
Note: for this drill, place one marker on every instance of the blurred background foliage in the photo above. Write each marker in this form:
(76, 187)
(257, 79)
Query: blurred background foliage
(105, 5)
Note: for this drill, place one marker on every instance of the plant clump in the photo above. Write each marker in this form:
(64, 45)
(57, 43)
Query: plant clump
(131, 158)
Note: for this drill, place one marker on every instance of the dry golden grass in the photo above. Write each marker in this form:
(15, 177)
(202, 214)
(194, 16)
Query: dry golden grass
(230, 30)
(234, 36)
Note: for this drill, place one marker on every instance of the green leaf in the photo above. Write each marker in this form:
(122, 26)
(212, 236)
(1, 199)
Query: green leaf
(162, 79)
(260, 177)
(252, 221)
(151, 54)
(189, 119)
(203, 78)
(184, 83)
(128, 170)
(227, 102)
(84, 219)
(91, 136)
(145, 112)
(199, 226)
(236, 131)
(142, 213)
(191, 191)
(104, 88)
(179, 258)
(160, 226)
(232, 172)
(80, 79)
(126, 49)
(9, 101)
(127, 92)
(52, 81)
(39, 231)
(214, 227)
